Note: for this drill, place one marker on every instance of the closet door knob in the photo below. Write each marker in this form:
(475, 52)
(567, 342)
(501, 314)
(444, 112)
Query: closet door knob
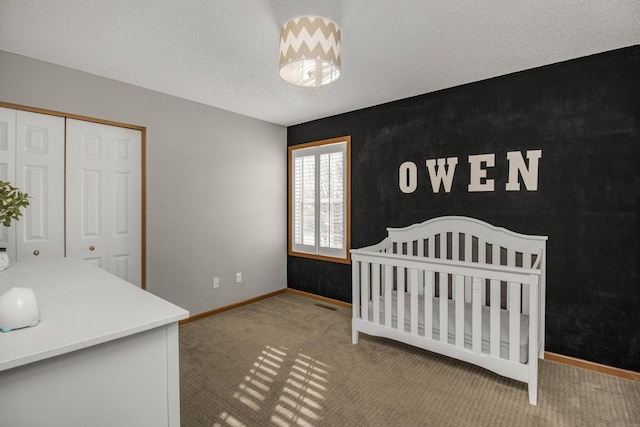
(36, 252)
(91, 248)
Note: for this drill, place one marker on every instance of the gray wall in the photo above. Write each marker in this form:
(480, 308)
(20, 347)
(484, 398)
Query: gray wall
(216, 182)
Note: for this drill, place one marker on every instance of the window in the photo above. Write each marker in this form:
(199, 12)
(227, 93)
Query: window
(319, 199)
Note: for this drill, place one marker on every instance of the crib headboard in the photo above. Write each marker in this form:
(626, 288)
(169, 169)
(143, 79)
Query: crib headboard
(462, 238)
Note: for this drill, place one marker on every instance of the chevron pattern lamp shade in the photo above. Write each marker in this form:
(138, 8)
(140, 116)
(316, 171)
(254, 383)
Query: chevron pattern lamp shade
(310, 51)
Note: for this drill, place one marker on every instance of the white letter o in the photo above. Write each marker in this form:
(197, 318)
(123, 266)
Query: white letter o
(408, 177)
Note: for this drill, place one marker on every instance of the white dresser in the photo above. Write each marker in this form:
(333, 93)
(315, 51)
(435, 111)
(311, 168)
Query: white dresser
(104, 354)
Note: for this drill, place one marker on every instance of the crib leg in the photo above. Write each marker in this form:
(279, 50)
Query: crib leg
(354, 332)
(533, 391)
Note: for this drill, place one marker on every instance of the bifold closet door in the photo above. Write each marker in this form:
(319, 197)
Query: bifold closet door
(32, 159)
(104, 197)
(8, 171)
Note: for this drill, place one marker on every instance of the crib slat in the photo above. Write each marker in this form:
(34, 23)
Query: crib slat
(428, 304)
(365, 290)
(420, 253)
(375, 291)
(468, 257)
(413, 285)
(482, 259)
(400, 299)
(432, 246)
(453, 288)
(494, 337)
(455, 246)
(388, 292)
(459, 284)
(526, 263)
(444, 315)
(495, 257)
(511, 262)
(495, 254)
(467, 289)
(482, 252)
(514, 323)
(449, 247)
(476, 317)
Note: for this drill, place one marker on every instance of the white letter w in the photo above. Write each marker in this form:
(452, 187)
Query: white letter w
(442, 174)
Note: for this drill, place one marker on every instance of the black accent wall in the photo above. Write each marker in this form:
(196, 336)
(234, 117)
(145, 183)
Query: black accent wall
(584, 115)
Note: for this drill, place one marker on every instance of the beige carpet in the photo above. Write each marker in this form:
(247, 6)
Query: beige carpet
(289, 361)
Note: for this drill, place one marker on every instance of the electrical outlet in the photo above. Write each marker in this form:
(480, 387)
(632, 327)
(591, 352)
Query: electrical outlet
(238, 277)
(216, 282)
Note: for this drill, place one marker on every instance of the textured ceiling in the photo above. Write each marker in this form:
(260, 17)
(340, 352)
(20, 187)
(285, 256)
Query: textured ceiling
(224, 53)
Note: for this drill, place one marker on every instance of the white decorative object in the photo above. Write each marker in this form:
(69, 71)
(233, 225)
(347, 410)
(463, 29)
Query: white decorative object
(18, 309)
(310, 51)
(459, 287)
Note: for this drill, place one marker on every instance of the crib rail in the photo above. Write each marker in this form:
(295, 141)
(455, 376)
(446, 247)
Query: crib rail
(423, 286)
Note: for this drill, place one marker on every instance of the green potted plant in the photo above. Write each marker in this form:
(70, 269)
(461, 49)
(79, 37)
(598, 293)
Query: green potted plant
(11, 201)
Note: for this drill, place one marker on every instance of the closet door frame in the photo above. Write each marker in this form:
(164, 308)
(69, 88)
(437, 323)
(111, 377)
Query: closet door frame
(143, 173)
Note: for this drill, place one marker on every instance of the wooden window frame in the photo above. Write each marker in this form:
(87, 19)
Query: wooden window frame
(347, 236)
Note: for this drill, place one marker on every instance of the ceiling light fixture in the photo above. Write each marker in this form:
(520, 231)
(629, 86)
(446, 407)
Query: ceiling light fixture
(310, 51)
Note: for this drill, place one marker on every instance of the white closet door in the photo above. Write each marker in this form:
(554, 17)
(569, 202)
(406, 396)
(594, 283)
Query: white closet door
(32, 159)
(40, 173)
(104, 197)
(8, 171)
(124, 187)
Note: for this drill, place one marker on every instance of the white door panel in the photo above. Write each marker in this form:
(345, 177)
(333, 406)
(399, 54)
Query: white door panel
(40, 173)
(125, 212)
(104, 197)
(32, 159)
(8, 171)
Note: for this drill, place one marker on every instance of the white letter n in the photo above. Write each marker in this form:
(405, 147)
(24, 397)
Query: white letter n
(529, 175)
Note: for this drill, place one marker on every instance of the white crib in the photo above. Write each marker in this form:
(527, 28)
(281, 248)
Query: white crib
(460, 287)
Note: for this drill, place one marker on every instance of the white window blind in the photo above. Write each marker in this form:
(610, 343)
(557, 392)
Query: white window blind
(319, 200)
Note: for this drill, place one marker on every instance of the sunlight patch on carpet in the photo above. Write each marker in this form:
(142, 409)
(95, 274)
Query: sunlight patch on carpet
(299, 403)
(299, 400)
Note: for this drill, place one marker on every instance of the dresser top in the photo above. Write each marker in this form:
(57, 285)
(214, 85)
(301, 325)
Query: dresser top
(80, 306)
